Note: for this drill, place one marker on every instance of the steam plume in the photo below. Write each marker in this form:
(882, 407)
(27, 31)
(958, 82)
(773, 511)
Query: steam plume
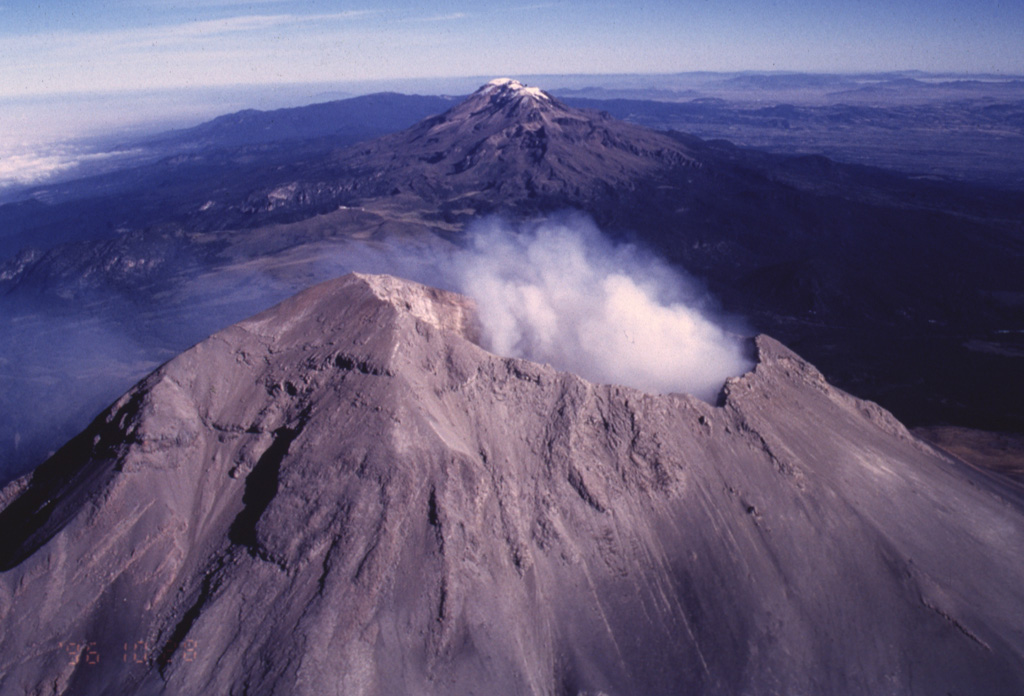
(559, 292)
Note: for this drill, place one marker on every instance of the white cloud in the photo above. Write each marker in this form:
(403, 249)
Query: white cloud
(561, 293)
(241, 49)
(211, 3)
(536, 6)
(440, 18)
(39, 163)
(247, 23)
(111, 40)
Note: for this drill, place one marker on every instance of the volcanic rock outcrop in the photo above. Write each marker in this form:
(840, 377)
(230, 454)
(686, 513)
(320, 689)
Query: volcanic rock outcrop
(346, 494)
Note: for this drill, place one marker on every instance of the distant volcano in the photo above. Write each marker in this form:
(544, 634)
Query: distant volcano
(505, 146)
(346, 494)
(512, 140)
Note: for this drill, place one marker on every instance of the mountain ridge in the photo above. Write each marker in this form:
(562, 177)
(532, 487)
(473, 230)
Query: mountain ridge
(347, 120)
(346, 492)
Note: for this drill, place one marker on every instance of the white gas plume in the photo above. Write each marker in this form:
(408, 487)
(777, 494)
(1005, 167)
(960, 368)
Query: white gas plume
(559, 292)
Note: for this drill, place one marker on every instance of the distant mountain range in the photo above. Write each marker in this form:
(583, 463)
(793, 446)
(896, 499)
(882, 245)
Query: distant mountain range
(344, 121)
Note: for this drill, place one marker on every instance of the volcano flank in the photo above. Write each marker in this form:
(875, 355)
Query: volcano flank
(506, 147)
(346, 494)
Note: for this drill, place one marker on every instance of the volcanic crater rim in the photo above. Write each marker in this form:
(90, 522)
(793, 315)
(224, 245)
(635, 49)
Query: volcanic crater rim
(458, 313)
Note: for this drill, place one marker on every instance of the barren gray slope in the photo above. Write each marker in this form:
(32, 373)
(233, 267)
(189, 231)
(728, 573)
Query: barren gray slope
(346, 495)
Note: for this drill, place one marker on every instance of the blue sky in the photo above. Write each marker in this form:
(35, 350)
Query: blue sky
(91, 45)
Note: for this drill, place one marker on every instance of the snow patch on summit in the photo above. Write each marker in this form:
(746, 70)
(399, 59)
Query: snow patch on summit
(507, 83)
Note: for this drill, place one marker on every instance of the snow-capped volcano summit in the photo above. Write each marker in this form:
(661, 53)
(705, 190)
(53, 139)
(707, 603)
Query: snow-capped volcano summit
(509, 142)
(507, 87)
(510, 98)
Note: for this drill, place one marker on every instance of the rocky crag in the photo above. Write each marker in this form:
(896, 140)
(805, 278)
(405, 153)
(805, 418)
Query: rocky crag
(346, 494)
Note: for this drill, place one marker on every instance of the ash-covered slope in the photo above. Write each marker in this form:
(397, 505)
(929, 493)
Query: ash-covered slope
(345, 494)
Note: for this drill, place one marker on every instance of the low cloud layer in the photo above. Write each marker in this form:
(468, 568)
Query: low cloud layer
(561, 293)
(37, 164)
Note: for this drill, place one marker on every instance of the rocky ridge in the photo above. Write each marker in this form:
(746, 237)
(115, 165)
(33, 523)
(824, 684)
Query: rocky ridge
(346, 494)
